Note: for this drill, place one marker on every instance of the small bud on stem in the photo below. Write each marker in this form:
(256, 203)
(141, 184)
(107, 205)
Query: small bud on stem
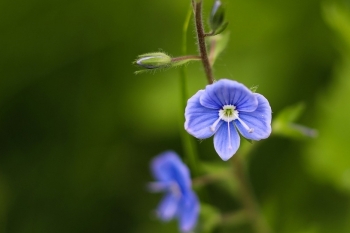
(153, 60)
(159, 60)
(216, 20)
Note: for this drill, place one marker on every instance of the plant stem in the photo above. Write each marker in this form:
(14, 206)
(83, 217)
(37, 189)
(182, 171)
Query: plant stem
(188, 57)
(235, 218)
(248, 198)
(197, 7)
(210, 178)
(187, 142)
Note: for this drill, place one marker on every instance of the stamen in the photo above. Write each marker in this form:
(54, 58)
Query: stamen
(157, 186)
(250, 130)
(229, 136)
(213, 126)
(175, 189)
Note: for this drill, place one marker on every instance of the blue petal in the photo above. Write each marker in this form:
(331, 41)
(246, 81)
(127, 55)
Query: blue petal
(259, 120)
(188, 212)
(168, 207)
(199, 118)
(167, 167)
(222, 141)
(228, 92)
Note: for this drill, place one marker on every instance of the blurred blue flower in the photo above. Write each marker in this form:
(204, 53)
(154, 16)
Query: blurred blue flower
(227, 101)
(174, 179)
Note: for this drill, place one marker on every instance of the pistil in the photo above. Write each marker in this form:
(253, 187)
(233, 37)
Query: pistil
(213, 126)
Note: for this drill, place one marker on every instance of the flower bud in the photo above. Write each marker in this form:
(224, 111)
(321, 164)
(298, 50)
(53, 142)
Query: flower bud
(217, 17)
(153, 60)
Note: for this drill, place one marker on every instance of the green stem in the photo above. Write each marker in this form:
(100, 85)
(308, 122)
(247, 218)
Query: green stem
(187, 140)
(204, 180)
(247, 196)
(235, 218)
(187, 57)
(248, 199)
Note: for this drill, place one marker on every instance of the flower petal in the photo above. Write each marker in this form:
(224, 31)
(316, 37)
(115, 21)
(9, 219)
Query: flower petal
(188, 212)
(259, 120)
(167, 167)
(168, 207)
(228, 92)
(199, 118)
(226, 144)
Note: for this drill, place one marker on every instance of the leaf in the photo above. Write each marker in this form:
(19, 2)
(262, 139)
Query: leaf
(219, 174)
(209, 218)
(217, 45)
(284, 124)
(221, 28)
(338, 18)
(328, 158)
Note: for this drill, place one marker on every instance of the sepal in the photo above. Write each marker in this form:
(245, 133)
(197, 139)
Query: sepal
(217, 18)
(217, 45)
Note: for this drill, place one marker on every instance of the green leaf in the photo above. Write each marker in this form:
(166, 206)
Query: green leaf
(214, 168)
(284, 124)
(217, 45)
(338, 17)
(254, 88)
(210, 218)
(217, 16)
(221, 28)
(328, 158)
(291, 113)
(222, 174)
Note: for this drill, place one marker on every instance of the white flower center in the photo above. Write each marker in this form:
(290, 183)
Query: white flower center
(229, 113)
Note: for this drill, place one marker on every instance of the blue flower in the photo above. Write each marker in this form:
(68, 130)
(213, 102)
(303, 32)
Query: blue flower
(221, 109)
(174, 179)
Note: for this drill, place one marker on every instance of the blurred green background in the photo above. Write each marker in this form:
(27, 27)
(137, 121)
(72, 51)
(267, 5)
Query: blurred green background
(78, 128)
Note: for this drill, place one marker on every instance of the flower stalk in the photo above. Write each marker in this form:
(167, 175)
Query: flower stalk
(197, 8)
(187, 141)
(249, 202)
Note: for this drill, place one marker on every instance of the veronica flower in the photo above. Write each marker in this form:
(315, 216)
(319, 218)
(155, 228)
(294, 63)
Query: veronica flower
(174, 179)
(223, 108)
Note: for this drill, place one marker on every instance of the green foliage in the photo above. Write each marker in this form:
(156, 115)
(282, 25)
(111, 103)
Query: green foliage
(328, 157)
(217, 45)
(217, 18)
(338, 17)
(221, 29)
(74, 154)
(283, 124)
(210, 217)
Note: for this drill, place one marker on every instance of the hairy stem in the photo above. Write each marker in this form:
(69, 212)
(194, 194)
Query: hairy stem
(246, 192)
(197, 7)
(248, 198)
(188, 57)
